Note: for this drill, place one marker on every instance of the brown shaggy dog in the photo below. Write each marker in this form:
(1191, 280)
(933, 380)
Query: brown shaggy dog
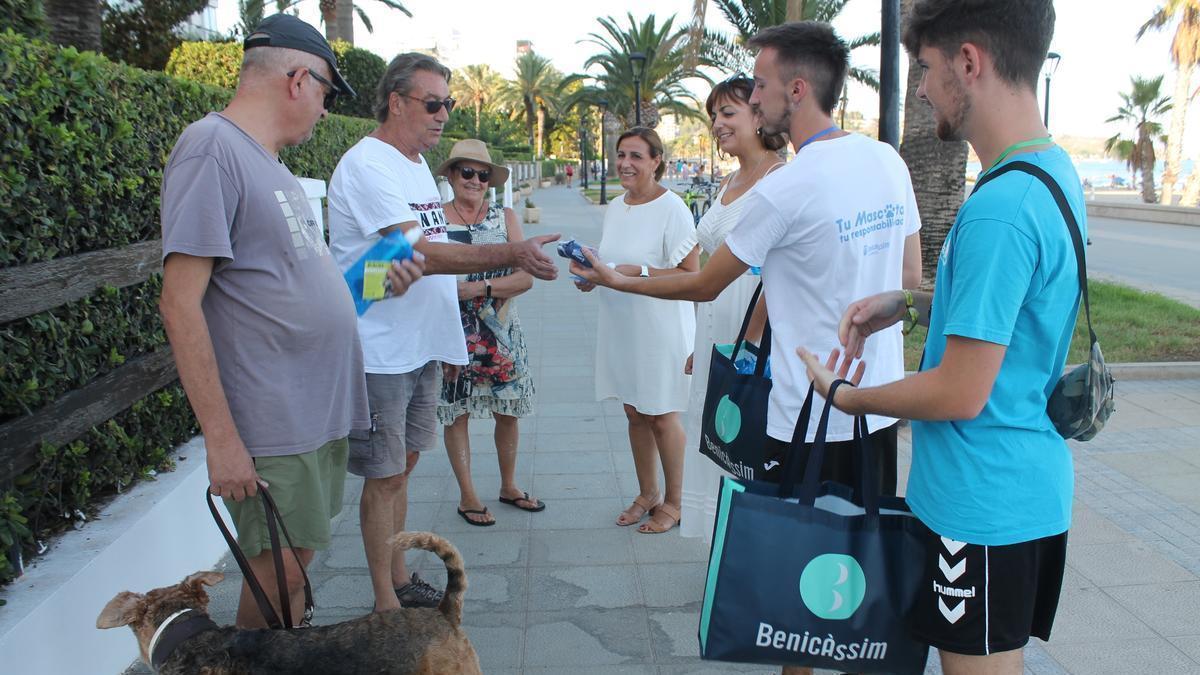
(420, 640)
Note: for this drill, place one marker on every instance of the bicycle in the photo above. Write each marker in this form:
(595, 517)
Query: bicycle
(699, 197)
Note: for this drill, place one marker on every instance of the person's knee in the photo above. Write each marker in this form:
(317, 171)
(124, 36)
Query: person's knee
(635, 418)
(662, 423)
(385, 487)
(293, 570)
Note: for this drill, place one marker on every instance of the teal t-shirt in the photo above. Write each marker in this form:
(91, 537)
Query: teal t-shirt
(1006, 274)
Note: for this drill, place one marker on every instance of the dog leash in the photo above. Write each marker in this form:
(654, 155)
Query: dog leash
(260, 597)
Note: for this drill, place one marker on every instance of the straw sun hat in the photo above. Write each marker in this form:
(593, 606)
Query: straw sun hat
(476, 151)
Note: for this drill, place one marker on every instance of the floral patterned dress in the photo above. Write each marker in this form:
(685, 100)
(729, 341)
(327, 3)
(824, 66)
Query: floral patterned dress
(496, 379)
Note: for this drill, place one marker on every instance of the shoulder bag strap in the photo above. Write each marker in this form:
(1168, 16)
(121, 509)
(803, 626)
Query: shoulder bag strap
(1069, 216)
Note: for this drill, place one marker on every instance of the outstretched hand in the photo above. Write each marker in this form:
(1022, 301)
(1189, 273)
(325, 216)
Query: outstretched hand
(867, 316)
(599, 274)
(530, 257)
(823, 374)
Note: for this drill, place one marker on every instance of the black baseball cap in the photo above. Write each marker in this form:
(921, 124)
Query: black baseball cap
(289, 32)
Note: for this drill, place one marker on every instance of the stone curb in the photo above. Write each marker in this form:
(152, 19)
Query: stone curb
(1167, 370)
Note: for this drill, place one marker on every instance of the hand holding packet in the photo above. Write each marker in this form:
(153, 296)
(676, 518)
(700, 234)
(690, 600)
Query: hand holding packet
(573, 250)
(367, 277)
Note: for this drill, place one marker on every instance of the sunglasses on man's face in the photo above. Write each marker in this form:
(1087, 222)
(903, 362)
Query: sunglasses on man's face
(432, 107)
(737, 77)
(468, 173)
(330, 96)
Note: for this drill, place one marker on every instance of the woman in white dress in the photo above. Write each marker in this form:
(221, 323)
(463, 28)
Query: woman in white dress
(736, 132)
(642, 342)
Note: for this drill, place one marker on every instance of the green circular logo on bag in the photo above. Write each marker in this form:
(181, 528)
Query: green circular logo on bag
(727, 420)
(833, 586)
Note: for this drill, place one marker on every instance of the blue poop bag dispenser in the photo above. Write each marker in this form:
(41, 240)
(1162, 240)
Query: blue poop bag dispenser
(367, 277)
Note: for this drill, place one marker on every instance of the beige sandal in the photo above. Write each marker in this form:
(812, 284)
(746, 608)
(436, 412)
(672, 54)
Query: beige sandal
(639, 502)
(653, 526)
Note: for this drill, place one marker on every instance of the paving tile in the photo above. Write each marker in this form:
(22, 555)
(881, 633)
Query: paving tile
(1125, 563)
(573, 463)
(580, 547)
(674, 635)
(673, 584)
(574, 486)
(1189, 645)
(1151, 463)
(487, 549)
(498, 638)
(593, 424)
(489, 589)
(576, 586)
(645, 669)
(1089, 615)
(577, 514)
(669, 547)
(1170, 609)
(1120, 657)
(566, 442)
(587, 637)
(1089, 527)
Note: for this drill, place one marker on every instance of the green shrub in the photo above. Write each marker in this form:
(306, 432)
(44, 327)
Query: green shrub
(27, 17)
(549, 168)
(363, 70)
(215, 63)
(83, 141)
(218, 63)
(143, 33)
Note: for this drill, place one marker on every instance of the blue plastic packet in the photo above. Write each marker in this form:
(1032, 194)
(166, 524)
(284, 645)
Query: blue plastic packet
(367, 277)
(746, 360)
(573, 250)
(756, 271)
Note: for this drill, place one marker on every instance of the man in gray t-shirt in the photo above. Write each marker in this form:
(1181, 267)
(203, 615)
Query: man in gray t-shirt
(261, 323)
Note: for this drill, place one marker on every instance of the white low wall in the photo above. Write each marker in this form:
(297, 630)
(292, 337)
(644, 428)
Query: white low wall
(154, 535)
(1151, 213)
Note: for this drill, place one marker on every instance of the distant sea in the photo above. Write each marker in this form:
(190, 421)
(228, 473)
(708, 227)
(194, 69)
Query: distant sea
(1101, 171)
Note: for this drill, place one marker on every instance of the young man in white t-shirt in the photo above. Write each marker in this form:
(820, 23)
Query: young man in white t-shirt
(383, 184)
(839, 217)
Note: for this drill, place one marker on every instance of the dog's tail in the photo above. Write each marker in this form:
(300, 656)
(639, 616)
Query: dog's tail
(456, 578)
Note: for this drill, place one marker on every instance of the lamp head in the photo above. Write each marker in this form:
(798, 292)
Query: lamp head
(638, 61)
(1052, 60)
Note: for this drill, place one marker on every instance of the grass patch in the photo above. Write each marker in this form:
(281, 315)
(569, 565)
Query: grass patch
(1133, 326)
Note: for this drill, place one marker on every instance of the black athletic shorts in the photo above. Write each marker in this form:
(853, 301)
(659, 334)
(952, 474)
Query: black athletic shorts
(979, 600)
(842, 463)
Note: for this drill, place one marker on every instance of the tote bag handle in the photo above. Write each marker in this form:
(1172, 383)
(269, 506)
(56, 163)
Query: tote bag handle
(811, 481)
(764, 349)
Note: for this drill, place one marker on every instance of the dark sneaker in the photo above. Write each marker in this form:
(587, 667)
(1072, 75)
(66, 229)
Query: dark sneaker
(417, 593)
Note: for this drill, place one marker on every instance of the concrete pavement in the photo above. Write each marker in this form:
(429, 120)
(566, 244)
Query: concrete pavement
(565, 590)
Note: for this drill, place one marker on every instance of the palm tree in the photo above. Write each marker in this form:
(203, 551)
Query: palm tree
(478, 86)
(663, 72)
(74, 23)
(338, 16)
(750, 16)
(1185, 51)
(532, 93)
(1140, 107)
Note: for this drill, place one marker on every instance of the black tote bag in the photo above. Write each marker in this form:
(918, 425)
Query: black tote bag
(733, 426)
(817, 574)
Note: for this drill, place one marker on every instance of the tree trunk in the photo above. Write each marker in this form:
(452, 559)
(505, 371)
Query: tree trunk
(74, 23)
(1146, 146)
(541, 129)
(795, 10)
(1183, 86)
(345, 20)
(478, 112)
(329, 18)
(529, 122)
(938, 170)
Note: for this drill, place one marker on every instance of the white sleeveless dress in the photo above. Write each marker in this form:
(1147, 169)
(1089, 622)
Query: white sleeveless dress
(717, 322)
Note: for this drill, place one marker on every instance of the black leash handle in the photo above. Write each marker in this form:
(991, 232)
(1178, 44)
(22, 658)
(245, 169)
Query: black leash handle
(260, 597)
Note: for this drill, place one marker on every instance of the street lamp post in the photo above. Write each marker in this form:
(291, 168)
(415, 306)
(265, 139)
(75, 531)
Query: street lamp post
(637, 61)
(603, 163)
(1052, 60)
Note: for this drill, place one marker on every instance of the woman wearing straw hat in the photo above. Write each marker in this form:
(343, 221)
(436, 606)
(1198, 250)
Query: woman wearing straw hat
(496, 382)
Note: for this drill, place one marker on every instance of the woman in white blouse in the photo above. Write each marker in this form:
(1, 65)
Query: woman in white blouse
(642, 342)
(736, 131)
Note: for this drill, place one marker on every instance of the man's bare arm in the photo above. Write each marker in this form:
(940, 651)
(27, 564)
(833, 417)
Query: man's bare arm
(185, 280)
(703, 286)
(450, 258)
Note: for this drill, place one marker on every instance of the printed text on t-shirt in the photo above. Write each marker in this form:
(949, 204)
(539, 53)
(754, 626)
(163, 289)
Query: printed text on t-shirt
(433, 220)
(870, 220)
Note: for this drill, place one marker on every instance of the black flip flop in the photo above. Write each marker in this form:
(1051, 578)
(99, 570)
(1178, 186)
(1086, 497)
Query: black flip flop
(475, 512)
(541, 506)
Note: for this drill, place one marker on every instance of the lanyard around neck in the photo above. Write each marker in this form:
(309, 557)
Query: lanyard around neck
(823, 132)
(1018, 146)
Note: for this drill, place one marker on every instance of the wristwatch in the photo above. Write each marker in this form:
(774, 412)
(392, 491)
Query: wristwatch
(645, 272)
(487, 288)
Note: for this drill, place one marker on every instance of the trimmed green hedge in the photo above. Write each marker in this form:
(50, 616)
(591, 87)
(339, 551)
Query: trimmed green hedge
(82, 144)
(218, 63)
